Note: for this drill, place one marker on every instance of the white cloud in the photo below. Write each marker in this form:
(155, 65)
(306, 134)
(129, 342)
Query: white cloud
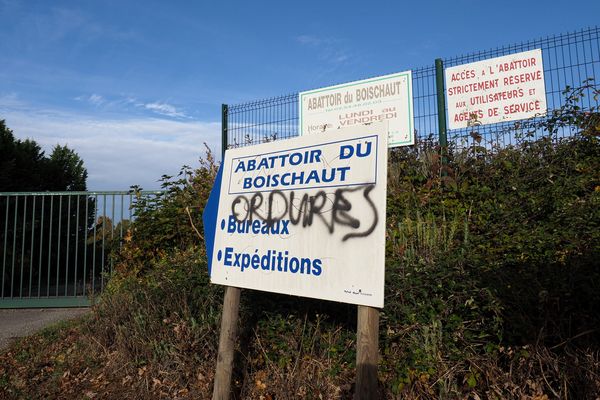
(309, 40)
(11, 100)
(94, 99)
(328, 49)
(116, 103)
(118, 153)
(164, 109)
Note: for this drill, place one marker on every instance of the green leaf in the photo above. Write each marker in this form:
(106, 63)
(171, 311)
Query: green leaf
(471, 381)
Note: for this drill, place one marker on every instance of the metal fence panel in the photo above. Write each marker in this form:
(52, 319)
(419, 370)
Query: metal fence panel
(58, 248)
(569, 60)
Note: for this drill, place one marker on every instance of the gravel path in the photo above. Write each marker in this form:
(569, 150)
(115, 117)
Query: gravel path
(16, 323)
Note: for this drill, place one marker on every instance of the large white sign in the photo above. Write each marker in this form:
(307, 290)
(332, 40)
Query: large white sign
(305, 216)
(500, 89)
(385, 98)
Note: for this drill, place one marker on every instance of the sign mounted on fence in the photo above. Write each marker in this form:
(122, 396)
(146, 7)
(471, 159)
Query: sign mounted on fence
(305, 216)
(385, 98)
(500, 89)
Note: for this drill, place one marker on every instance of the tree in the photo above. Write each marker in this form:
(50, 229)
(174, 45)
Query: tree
(21, 163)
(24, 167)
(66, 170)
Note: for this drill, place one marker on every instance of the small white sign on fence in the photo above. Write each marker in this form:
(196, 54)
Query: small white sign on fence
(385, 98)
(306, 216)
(499, 89)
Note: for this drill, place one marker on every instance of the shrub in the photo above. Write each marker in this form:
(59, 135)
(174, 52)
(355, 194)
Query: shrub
(491, 286)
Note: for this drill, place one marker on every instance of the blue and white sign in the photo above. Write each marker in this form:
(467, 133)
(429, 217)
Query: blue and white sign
(305, 216)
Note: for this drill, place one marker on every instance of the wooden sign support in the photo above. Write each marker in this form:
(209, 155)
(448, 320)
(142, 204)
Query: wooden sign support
(367, 337)
(227, 339)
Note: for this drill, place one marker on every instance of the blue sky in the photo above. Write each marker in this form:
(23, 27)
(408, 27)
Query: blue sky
(135, 87)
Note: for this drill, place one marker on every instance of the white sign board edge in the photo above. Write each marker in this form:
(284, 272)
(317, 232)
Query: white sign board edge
(352, 103)
(500, 89)
(333, 258)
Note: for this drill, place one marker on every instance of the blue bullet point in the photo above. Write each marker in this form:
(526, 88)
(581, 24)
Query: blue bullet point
(222, 224)
(219, 255)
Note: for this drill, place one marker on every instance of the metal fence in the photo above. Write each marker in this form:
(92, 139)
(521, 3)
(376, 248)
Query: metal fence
(569, 60)
(58, 248)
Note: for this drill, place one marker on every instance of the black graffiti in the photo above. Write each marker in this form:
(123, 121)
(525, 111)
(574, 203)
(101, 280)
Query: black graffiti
(304, 211)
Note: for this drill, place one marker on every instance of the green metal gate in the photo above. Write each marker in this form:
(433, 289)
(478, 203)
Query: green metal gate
(58, 248)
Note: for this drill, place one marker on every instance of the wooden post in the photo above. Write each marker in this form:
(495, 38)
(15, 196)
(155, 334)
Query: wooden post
(367, 338)
(227, 339)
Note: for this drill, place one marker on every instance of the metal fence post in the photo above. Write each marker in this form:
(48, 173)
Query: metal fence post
(230, 313)
(224, 133)
(441, 110)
